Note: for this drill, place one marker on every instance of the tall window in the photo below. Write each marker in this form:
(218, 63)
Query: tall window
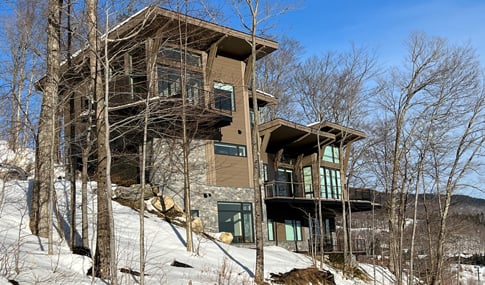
(331, 154)
(330, 183)
(284, 185)
(224, 96)
(308, 181)
(270, 229)
(236, 218)
(293, 229)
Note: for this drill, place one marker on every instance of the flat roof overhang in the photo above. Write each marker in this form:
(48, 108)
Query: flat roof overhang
(342, 134)
(292, 137)
(198, 35)
(263, 98)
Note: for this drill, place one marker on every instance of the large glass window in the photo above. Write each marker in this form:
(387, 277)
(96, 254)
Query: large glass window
(169, 83)
(236, 218)
(175, 55)
(224, 96)
(293, 229)
(331, 154)
(230, 149)
(330, 183)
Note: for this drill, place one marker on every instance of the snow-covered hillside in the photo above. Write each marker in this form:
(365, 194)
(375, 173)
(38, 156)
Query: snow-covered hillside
(23, 257)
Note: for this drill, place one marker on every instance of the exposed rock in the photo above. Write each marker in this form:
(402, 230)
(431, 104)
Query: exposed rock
(10, 171)
(81, 250)
(197, 225)
(304, 276)
(180, 264)
(130, 271)
(225, 237)
(133, 192)
(165, 204)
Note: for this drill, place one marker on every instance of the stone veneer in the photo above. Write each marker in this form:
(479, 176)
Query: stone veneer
(167, 173)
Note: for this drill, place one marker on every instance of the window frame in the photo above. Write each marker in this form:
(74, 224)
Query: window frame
(330, 183)
(245, 211)
(331, 154)
(296, 228)
(232, 98)
(241, 150)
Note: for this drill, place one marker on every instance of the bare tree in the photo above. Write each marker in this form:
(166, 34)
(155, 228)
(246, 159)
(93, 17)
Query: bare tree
(103, 259)
(334, 88)
(41, 214)
(24, 33)
(423, 104)
(258, 12)
(274, 73)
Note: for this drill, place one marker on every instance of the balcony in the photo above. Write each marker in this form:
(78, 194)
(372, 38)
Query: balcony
(301, 195)
(204, 117)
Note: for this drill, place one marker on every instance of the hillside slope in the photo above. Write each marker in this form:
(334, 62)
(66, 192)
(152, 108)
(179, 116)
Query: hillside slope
(23, 257)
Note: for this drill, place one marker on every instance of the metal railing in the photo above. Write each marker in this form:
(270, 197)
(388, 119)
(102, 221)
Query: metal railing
(337, 245)
(283, 189)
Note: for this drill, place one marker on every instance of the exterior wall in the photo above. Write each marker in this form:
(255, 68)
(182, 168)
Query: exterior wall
(234, 171)
(167, 173)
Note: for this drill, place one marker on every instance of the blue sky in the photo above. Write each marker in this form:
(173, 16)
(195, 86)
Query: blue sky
(382, 26)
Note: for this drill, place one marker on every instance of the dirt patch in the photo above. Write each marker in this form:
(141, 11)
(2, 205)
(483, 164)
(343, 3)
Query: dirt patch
(304, 276)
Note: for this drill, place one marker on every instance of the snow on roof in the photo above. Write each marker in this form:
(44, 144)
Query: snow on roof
(264, 93)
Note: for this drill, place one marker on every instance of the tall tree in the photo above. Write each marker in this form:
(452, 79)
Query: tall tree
(103, 259)
(22, 64)
(334, 88)
(259, 11)
(41, 214)
(431, 106)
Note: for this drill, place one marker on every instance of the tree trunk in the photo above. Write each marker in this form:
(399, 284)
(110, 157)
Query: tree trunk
(44, 171)
(102, 258)
(258, 215)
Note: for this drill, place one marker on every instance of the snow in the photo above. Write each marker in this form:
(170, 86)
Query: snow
(212, 262)
(24, 258)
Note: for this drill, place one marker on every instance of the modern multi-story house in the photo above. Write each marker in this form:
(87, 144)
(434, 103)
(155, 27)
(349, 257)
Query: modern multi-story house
(156, 58)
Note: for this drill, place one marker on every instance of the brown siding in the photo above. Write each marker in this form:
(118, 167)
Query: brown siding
(234, 171)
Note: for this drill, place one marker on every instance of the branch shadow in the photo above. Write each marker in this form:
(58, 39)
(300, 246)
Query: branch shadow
(181, 239)
(248, 271)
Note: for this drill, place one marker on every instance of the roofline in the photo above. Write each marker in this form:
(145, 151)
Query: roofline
(283, 122)
(359, 134)
(210, 25)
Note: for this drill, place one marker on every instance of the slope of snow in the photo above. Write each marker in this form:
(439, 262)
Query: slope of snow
(23, 257)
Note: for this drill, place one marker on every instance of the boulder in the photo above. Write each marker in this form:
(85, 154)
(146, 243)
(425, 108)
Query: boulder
(197, 225)
(163, 204)
(133, 192)
(225, 237)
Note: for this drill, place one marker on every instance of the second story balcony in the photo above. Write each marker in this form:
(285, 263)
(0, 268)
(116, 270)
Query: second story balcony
(204, 111)
(302, 194)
